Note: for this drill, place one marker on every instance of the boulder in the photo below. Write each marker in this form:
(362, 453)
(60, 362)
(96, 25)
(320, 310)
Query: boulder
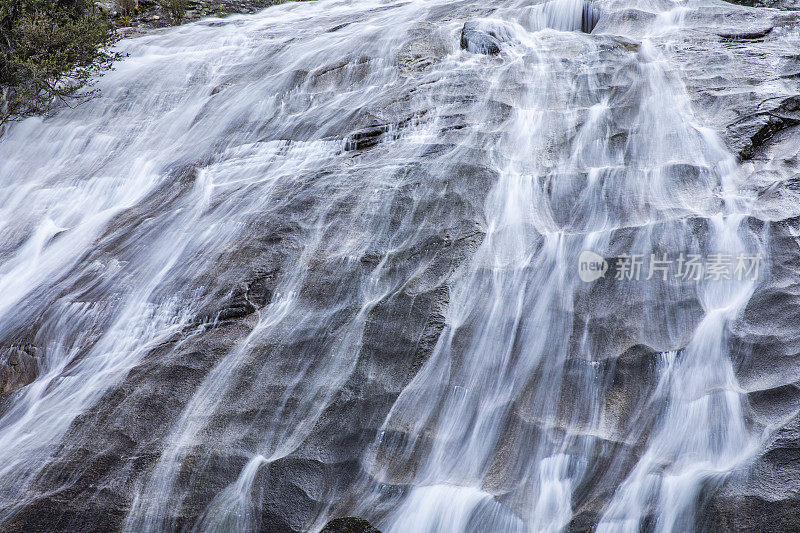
(480, 38)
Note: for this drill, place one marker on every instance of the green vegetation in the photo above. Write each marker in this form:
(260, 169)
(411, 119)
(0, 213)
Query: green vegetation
(50, 50)
(128, 7)
(176, 9)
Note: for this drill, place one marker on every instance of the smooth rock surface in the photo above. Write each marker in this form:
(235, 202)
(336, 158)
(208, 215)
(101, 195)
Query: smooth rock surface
(268, 228)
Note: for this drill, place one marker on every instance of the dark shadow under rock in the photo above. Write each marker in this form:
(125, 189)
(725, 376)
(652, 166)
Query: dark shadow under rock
(349, 524)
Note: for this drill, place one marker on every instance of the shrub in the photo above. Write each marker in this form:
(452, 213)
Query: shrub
(128, 7)
(175, 9)
(50, 50)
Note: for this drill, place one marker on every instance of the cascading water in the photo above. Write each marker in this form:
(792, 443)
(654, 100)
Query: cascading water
(320, 261)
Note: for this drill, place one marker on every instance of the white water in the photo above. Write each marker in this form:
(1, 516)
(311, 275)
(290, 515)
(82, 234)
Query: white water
(118, 216)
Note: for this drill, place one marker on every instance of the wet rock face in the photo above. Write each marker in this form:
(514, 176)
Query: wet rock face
(480, 38)
(383, 214)
(332, 228)
(750, 98)
(741, 76)
(486, 36)
(18, 367)
(424, 48)
(773, 4)
(765, 496)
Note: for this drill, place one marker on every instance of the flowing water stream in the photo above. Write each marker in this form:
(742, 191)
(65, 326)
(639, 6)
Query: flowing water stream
(123, 220)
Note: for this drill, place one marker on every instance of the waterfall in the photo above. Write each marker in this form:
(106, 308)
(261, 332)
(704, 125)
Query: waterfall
(321, 261)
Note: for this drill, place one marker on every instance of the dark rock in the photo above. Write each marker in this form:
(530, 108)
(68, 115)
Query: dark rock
(766, 497)
(367, 137)
(349, 524)
(774, 4)
(747, 36)
(771, 126)
(748, 513)
(18, 367)
(589, 17)
(479, 39)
